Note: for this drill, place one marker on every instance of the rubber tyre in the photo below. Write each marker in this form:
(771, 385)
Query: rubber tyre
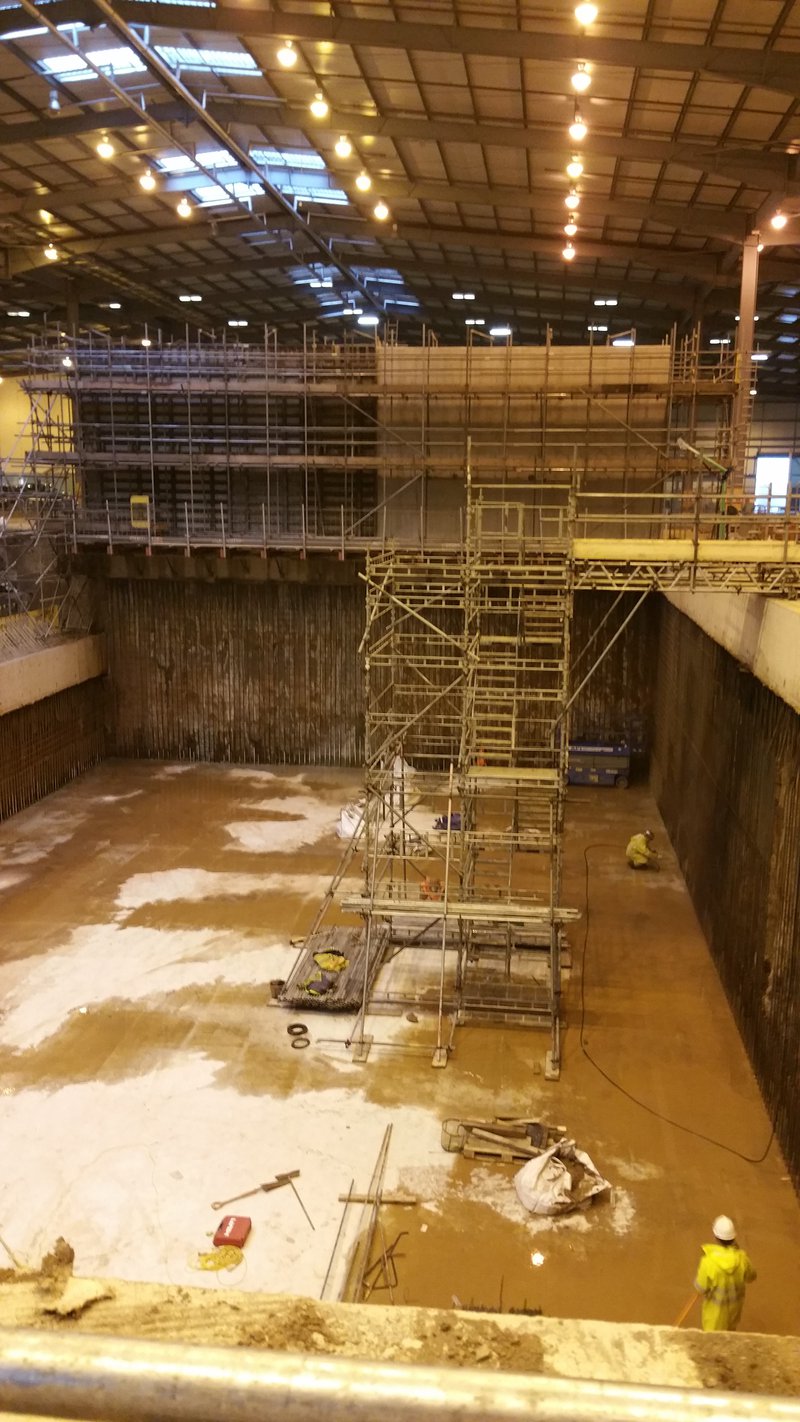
(300, 1043)
(297, 1029)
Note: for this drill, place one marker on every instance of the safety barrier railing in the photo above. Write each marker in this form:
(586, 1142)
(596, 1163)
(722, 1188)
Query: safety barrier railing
(108, 1379)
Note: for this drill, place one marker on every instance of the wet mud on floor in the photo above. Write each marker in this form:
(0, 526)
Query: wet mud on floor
(145, 1073)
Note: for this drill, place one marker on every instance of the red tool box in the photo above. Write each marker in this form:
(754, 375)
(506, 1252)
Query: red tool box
(233, 1229)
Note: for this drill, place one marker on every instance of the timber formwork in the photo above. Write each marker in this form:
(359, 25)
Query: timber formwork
(467, 663)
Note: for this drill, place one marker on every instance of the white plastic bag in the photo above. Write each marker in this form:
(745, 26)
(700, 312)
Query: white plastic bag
(546, 1185)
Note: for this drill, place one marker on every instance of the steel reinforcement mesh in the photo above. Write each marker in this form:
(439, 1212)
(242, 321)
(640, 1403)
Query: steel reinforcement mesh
(726, 773)
(49, 743)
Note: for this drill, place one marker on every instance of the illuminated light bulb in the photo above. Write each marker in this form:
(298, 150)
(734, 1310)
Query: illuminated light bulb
(778, 221)
(572, 200)
(574, 167)
(578, 129)
(343, 147)
(184, 208)
(319, 106)
(581, 79)
(760, 247)
(568, 252)
(586, 14)
(753, 390)
(54, 103)
(67, 362)
(105, 148)
(380, 210)
(287, 55)
(146, 342)
(51, 253)
(571, 227)
(363, 182)
(147, 181)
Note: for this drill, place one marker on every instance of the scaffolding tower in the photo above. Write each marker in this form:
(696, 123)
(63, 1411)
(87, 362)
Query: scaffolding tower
(467, 666)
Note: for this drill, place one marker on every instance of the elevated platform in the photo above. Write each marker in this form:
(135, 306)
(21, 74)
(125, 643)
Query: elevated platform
(305, 988)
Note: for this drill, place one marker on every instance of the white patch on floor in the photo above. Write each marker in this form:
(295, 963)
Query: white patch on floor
(167, 771)
(113, 799)
(168, 886)
(36, 833)
(634, 1170)
(623, 1212)
(9, 878)
(311, 820)
(102, 962)
(133, 1194)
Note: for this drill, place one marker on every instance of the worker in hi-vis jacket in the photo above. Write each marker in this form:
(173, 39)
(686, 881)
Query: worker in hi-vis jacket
(722, 1277)
(640, 853)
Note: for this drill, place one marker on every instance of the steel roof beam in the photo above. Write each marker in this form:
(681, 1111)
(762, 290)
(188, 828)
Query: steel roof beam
(766, 69)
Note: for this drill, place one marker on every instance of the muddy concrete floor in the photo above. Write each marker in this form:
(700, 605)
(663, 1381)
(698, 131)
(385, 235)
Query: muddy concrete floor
(145, 1074)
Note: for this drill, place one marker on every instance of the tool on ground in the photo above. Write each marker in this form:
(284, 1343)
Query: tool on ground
(383, 1273)
(289, 1179)
(233, 1229)
(285, 1179)
(686, 1310)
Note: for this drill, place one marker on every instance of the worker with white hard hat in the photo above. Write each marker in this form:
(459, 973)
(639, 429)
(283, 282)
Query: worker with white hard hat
(722, 1276)
(640, 853)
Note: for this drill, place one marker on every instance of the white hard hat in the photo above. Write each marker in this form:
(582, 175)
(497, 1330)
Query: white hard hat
(724, 1229)
(648, 834)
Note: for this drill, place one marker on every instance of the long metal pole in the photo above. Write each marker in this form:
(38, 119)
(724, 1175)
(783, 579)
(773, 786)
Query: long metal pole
(445, 905)
(604, 653)
(125, 1380)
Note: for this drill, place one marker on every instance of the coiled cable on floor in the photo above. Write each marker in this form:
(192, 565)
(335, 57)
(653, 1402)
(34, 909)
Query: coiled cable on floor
(651, 1110)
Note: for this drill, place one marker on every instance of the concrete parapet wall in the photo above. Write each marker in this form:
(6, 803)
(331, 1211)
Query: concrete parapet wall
(761, 633)
(36, 675)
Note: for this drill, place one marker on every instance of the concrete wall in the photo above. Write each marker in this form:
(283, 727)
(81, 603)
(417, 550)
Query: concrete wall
(763, 634)
(43, 673)
(726, 773)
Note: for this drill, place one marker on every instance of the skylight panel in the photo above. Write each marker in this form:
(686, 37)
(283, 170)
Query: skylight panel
(278, 158)
(216, 61)
(72, 68)
(212, 195)
(177, 163)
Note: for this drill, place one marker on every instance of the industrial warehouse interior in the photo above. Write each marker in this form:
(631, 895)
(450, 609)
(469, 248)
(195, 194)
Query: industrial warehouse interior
(399, 691)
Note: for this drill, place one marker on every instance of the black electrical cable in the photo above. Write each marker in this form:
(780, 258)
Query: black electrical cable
(678, 1125)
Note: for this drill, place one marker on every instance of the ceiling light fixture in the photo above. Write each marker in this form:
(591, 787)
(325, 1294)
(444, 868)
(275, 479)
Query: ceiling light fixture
(67, 362)
(237, 322)
(368, 320)
(572, 200)
(778, 221)
(105, 148)
(146, 342)
(463, 295)
(760, 247)
(597, 328)
(586, 14)
(753, 390)
(606, 301)
(570, 228)
(190, 297)
(581, 79)
(147, 181)
(319, 105)
(574, 167)
(578, 129)
(343, 147)
(287, 55)
(184, 208)
(363, 182)
(474, 321)
(54, 103)
(380, 210)
(45, 215)
(568, 252)
(18, 313)
(51, 253)
(499, 330)
(115, 305)
(624, 341)
(759, 355)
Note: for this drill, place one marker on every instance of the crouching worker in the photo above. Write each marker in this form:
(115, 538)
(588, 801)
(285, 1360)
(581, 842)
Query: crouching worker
(722, 1276)
(640, 853)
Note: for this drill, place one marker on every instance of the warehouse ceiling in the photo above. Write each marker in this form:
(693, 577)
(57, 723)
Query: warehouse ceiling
(457, 112)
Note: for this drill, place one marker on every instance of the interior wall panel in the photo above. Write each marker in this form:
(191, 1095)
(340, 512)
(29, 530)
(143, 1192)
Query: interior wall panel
(235, 671)
(45, 745)
(617, 699)
(726, 774)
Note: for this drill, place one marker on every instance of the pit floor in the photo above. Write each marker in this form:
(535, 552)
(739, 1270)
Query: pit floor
(145, 1074)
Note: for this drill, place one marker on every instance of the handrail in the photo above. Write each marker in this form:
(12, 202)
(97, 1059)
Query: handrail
(107, 1379)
